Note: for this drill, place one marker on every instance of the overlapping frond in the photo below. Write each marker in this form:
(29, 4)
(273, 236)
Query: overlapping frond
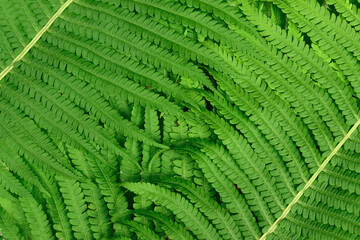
(183, 119)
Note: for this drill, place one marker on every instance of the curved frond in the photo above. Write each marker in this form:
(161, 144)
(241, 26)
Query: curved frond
(190, 215)
(180, 119)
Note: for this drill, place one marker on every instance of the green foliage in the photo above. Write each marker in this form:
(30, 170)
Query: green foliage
(179, 119)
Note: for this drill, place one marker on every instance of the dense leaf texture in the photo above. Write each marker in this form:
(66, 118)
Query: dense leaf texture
(180, 119)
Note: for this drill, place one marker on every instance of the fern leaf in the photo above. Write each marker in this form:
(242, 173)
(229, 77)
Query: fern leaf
(308, 60)
(347, 63)
(39, 224)
(20, 21)
(229, 195)
(56, 127)
(75, 203)
(242, 153)
(221, 219)
(348, 10)
(88, 98)
(182, 119)
(262, 147)
(191, 217)
(97, 210)
(9, 228)
(41, 155)
(172, 229)
(56, 208)
(129, 170)
(142, 232)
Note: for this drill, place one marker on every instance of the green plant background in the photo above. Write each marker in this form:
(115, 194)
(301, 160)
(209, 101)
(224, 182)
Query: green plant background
(179, 119)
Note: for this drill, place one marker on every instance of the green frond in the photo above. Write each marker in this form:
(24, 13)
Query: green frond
(64, 110)
(11, 183)
(184, 167)
(243, 154)
(173, 230)
(56, 208)
(266, 98)
(337, 28)
(180, 119)
(97, 210)
(181, 207)
(8, 226)
(36, 218)
(347, 159)
(85, 97)
(283, 142)
(180, 14)
(20, 20)
(113, 195)
(25, 144)
(229, 194)
(11, 160)
(141, 231)
(74, 200)
(308, 60)
(261, 146)
(221, 219)
(152, 30)
(152, 126)
(55, 127)
(334, 197)
(333, 47)
(142, 203)
(111, 83)
(348, 10)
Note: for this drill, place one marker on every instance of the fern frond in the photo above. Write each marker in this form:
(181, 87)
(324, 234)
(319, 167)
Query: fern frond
(261, 146)
(229, 194)
(188, 214)
(336, 28)
(172, 229)
(141, 231)
(334, 197)
(265, 97)
(243, 154)
(308, 60)
(65, 111)
(139, 48)
(180, 119)
(77, 210)
(128, 166)
(338, 52)
(155, 32)
(20, 21)
(320, 105)
(221, 219)
(14, 163)
(56, 208)
(152, 126)
(97, 210)
(45, 119)
(113, 195)
(86, 97)
(282, 142)
(175, 12)
(9, 228)
(37, 219)
(142, 203)
(224, 162)
(111, 82)
(348, 10)
(26, 145)
(321, 212)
